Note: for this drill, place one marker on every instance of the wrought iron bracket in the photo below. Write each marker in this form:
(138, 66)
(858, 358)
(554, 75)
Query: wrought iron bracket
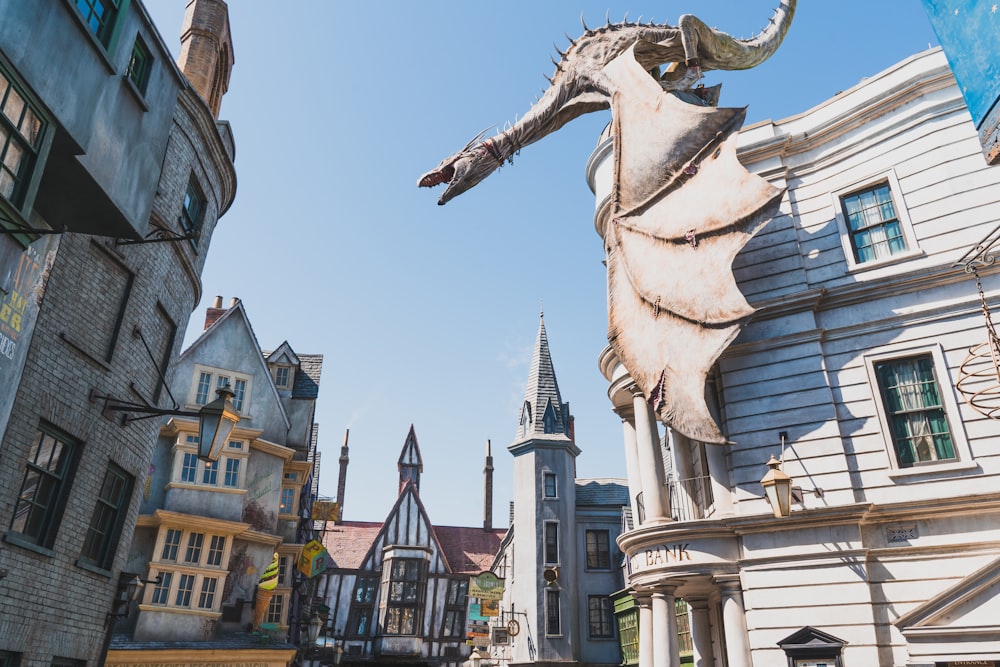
(112, 405)
(160, 234)
(982, 254)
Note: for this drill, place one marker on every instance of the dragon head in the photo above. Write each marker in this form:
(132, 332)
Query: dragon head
(463, 170)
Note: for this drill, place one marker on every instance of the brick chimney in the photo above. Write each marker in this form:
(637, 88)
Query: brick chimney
(214, 313)
(207, 50)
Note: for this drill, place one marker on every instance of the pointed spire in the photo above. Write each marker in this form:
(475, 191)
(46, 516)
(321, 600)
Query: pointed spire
(342, 477)
(410, 463)
(543, 412)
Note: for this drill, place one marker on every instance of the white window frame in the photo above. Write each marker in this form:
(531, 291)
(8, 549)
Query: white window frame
(902, 214)
(216, 373)
(289, 375)
(546, 475)
(200, 570)
(235, 449)
(946, 387)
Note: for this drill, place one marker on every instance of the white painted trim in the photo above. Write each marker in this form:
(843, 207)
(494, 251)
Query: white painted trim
(896, 192)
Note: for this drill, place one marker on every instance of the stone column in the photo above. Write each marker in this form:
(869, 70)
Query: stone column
(654, 491)
(719, 472)
(645, 629)
(666, 652)
(701, 631)
(734, 622)
(631, 462)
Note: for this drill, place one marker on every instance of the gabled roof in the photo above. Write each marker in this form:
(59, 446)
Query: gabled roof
(469, 550)
(310, 367)
(237, 311)
(349, 542)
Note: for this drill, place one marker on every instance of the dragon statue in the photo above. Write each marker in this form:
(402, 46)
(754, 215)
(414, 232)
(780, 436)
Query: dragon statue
(673, 304)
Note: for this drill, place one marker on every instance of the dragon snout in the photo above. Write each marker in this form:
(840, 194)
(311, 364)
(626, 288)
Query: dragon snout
(437, 177)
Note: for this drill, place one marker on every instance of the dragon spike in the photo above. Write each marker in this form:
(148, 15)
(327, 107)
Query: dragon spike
(607, 17)
(584, 23)
(547, 78)
(562, 54)
(478, 138)
(572, 42)
(625, 18)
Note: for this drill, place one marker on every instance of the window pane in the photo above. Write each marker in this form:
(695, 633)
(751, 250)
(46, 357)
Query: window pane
(204, 384)
(109, 514)
(162, 590)
(916, 416)
(193, 554)
(874, 227)
(46, 480)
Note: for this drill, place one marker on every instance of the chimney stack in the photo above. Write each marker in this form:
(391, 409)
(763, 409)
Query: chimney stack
(342, 477)
(214, 312)
(488, 490)
(207, 50)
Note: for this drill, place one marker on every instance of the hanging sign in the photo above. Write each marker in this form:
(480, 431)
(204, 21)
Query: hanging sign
(486, 586)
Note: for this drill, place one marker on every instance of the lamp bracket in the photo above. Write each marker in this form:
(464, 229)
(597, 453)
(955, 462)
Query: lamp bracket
(111, 405)
(160, 234)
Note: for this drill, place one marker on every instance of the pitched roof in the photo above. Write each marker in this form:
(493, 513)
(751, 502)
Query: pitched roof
(469, 550)
(306, 383)
(607, 491)
(349, 542)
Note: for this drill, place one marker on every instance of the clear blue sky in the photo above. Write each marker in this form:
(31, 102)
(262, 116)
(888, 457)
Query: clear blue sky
(427, 315)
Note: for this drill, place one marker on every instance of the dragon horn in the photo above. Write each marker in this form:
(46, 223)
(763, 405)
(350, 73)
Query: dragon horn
(477, 139)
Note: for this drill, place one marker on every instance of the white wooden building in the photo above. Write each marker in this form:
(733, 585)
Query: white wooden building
(848, 373)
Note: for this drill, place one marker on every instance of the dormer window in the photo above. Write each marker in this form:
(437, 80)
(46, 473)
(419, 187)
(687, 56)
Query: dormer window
(282, 377)
(206, 380)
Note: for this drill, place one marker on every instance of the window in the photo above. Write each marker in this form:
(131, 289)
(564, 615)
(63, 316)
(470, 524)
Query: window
(281, 376)
(9, 659)
(193, 553)
(287, 500)
(600, 617)
(140, 63)
(552, 623)
(204, 384)
(549, 484)
(598, 550)
(406, 596)
(225, 473)
(184, 588)
(47, 477)
(67, 662)
(215, 550)
(232, 473)
(210, 473)
(274, 609)
(359, 623)
(160, 341)
(685, 642)
(21, 132)
(454, 608)
(206, 380)
(189, 467)
(171, 543)
(99, 15)
(551, 542)
(206, 600)
(239, 392)
(193, 210)
(874, 225)
(162, 589)
(109, 515)
(914, 410)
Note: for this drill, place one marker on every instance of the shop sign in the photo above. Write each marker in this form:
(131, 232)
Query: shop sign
(486, 586)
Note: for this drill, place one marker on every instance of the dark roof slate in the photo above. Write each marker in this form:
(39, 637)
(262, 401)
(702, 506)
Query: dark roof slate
(601, 492)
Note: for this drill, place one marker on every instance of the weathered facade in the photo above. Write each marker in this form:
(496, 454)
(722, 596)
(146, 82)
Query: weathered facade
(397, 591)
(559, 560)
(105, 143)
(848, 373)
(207, 529)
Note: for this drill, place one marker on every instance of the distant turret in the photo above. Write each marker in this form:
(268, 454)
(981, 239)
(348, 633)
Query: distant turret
(207, 50)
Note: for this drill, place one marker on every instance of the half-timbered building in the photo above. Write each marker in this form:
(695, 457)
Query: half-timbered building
(397, 590)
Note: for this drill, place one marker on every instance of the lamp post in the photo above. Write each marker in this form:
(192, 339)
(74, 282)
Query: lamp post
(129, 586)
(778, 488)
(216, 420)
